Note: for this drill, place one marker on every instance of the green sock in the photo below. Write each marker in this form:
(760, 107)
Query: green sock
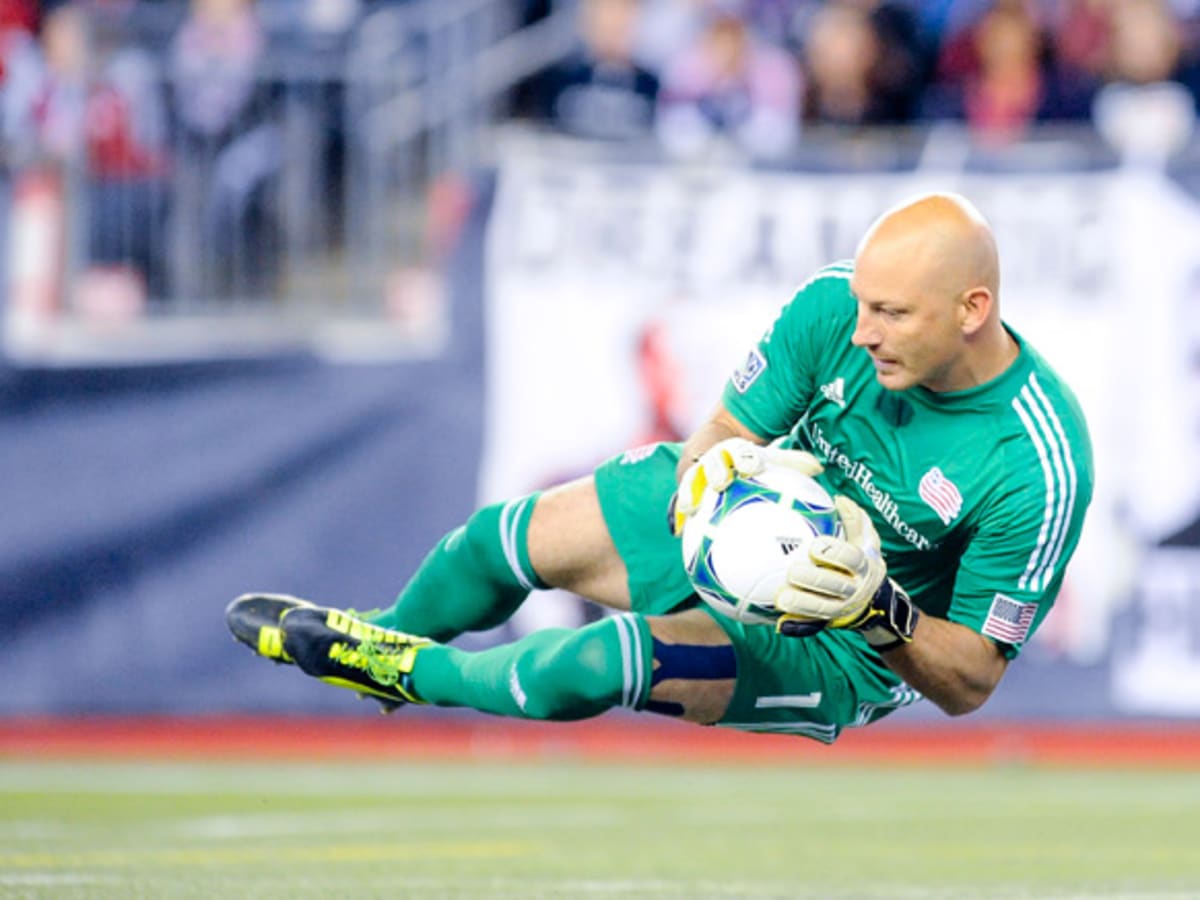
(558, 674)
(474, 579)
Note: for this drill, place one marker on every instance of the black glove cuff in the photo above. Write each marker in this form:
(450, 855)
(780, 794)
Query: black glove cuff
(892, 618)
(793, 626)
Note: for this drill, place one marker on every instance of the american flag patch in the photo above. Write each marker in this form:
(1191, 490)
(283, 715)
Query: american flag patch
(754, 366)
(1008, 620)
(940, 493)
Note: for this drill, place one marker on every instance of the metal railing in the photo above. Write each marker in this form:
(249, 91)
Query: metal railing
(308, 203)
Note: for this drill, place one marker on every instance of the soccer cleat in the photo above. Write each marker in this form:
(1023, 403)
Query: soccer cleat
(339, 649)
(254, 621)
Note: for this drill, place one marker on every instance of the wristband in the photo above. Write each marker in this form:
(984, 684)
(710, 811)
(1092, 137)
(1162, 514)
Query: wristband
(890, 620)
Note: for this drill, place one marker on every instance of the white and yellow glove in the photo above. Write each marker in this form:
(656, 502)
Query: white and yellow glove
(843, 584)
(726, 460)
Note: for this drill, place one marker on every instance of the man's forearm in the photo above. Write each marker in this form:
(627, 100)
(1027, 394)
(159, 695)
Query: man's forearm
(950, 664)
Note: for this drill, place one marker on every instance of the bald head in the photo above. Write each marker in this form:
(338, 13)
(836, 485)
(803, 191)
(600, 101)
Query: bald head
(941, 241)
(927, 279)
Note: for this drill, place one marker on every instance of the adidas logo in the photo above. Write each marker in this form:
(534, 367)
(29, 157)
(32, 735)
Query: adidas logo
(835, 391)
(789, 545)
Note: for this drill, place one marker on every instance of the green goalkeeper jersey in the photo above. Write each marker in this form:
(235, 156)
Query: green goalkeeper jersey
(978, 495)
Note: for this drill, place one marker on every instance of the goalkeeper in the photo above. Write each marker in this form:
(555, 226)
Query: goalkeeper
(963, 471)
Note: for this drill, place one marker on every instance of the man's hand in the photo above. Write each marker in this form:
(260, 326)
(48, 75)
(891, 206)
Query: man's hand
(720, 464)
(843, 584)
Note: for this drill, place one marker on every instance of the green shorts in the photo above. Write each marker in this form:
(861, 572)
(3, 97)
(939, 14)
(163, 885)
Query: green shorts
(635, 490)
(811, 686)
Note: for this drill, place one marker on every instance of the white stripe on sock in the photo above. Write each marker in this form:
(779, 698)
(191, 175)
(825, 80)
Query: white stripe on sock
(626, 664)
(635, 669)
(509, 519)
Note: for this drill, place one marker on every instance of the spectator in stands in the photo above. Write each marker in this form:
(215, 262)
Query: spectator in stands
(46, 83)
(600, 91)
(840, 51)
(91, 109)
(1148, 104)
(229, 153)
(1082, 32)
(18, 20)
(666, 28)
(1145, 43)
(730, 89)
(1136, 42)
(1000, 76)
(863, 64)
(901, 72)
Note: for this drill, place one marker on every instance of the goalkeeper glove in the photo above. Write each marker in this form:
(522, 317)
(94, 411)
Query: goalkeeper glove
(726, 460)
(844, 584)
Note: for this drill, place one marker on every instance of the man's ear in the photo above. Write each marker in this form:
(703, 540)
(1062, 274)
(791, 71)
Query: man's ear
(974, 307)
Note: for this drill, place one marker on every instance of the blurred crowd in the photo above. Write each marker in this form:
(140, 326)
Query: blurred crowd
(179, 137)
(168, 148)
(757, 73)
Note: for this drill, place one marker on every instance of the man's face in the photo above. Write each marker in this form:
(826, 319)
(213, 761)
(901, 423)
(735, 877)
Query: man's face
(910, 330)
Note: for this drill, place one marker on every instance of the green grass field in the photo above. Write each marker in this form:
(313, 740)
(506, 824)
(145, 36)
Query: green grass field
(561, 829)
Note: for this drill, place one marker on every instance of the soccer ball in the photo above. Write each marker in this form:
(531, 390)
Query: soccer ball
(737, 546)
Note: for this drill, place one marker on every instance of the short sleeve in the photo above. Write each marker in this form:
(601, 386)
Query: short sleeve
(773, 387)
(1012, 569)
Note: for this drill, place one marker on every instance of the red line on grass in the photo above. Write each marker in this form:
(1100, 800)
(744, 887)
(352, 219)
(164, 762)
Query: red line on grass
(613, 738)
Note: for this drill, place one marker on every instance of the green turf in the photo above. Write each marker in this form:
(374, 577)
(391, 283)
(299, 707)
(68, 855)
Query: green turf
(557, 829)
